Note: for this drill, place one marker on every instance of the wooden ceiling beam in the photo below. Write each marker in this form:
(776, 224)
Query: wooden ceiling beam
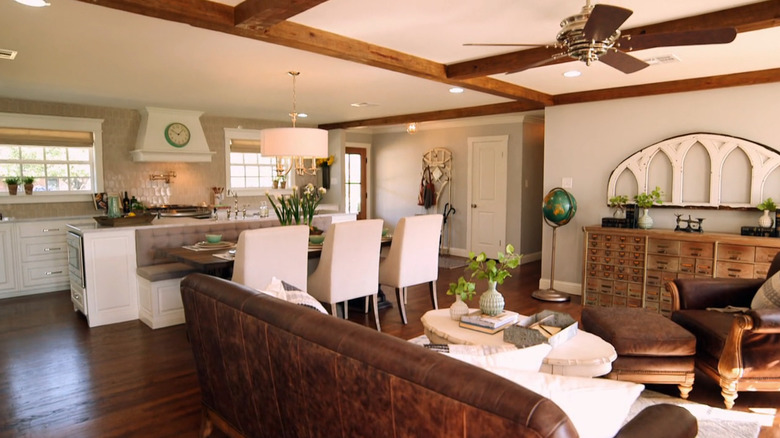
(261, 14)
(457, 113)
(679, 86)
(746, 18)
(219, 17)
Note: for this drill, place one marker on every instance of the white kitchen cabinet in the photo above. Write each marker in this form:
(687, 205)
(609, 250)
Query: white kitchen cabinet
(111, 288)
(43, 257)
(7, 271)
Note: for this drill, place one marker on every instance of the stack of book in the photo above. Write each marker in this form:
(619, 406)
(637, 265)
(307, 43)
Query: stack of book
(488, 324)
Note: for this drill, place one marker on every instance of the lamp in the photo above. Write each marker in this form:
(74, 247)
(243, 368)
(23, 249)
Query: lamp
(294, 145)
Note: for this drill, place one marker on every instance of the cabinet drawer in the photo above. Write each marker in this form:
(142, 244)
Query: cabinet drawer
(734, 270)
(697, 249)
(663, 263)
(687, 265)
(659, 278)
(78, 297)
(43, 228)
(765, 255)
(45, 274)
(667, 247)
(704, 267)
(760, 270)
(43, 248)
(736, 253)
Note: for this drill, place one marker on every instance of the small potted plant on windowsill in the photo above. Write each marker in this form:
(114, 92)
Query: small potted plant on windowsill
(766, 206)
(28, 185)
(13, 184)
(646, 200)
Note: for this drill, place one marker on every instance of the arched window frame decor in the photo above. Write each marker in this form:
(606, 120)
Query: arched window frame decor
(763, 161)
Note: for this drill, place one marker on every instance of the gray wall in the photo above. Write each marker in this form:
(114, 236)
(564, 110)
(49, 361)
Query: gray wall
(587, 141)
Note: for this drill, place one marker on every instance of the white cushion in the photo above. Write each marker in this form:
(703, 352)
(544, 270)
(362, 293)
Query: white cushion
(768, 295)
(279, 289)
(597, 407)
(525, 359)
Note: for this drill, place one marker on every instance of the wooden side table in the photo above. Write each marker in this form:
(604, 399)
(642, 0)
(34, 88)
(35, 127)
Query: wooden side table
(585, 355)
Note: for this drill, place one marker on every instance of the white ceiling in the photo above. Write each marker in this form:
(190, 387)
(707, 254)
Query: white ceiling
(81, 53)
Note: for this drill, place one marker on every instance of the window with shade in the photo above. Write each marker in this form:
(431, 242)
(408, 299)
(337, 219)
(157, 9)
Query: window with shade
(60, 155)
(247, 171)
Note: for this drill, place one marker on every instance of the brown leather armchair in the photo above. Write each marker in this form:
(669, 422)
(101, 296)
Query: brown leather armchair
(740, 350)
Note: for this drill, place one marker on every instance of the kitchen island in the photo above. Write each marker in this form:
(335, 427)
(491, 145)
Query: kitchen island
(118, 274)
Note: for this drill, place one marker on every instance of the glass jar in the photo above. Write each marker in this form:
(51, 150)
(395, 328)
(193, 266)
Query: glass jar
(263, 209)
(114, 206)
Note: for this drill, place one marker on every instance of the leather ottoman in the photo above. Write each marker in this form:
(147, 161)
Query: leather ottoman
(650, 347)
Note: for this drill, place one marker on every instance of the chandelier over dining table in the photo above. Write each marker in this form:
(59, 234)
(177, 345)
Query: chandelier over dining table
(294, 146)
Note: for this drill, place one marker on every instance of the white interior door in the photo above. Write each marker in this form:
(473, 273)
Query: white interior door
(487, 194)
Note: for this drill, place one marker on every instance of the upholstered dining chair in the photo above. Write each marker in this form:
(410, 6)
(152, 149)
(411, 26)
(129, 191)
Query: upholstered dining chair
(349, 265)
(413, 257)
(264, 253)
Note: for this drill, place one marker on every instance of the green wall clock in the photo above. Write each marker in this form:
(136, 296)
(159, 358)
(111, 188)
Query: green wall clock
(177, 134)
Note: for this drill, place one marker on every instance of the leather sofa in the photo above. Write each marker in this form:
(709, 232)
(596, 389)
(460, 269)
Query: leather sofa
(270, 368)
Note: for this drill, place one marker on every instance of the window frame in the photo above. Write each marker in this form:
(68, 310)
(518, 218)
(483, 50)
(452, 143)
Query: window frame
(34, 121)
(249, 134)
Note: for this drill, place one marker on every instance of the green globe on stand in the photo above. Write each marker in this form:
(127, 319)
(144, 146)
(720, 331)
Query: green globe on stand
(559, 208)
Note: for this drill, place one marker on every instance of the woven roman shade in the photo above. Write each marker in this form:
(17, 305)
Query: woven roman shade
(45, 137)
(244, 145)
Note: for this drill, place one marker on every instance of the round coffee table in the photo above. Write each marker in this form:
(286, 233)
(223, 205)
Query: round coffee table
(584, 355)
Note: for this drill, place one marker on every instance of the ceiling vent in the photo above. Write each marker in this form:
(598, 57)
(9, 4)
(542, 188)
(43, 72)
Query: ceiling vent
(171, 135)
(8, 54)
(662, 59)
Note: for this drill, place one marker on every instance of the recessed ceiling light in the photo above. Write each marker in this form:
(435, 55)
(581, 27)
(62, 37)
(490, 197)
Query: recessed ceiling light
(362, 104)
(572, 73)
(303, 115)
(456, 90)
(34, 3)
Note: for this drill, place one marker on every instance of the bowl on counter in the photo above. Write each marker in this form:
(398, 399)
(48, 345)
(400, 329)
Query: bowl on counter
(213, 238)
(316, 239)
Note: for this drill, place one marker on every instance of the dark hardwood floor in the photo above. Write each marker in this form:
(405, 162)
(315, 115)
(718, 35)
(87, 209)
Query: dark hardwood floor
(58, 378)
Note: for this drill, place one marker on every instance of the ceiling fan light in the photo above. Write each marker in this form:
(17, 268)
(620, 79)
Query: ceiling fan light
(34, 3)
(572, 74)
(456, 90)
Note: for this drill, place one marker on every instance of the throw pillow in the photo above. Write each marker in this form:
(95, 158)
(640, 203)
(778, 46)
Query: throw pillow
(597, 407)
(291, 294)
(768, 295)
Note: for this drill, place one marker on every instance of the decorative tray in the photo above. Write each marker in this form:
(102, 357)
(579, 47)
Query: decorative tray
(127, 221)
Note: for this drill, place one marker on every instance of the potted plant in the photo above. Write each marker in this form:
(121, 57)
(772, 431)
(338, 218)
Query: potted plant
(286, 207)
(494, 271)
(276, 182)
(619, 204)
(646, 200)
(766, 206)
(28, 185)
(13, 184)
(310, 199)
(282, 182)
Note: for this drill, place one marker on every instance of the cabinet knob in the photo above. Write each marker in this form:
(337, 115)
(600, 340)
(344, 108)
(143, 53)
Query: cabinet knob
(473, 205)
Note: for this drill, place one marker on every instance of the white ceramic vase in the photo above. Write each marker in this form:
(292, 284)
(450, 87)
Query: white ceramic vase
(491, 302)
(645, 222)
(765, 220)
(458, 308)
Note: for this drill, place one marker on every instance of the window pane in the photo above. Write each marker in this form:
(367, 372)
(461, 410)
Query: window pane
(236, 171)
(237, 182)
(81, 170)
(253, 182)
(57, 170)
(9, 152)
(251, 158)
(33, 170)
(79, 154)
(252, 171)
(56, 154)
(10, 170)
(32, 153)
(80, 183)
(236, 158)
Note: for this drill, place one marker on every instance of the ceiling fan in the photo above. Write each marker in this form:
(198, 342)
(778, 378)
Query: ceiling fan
(594, 35)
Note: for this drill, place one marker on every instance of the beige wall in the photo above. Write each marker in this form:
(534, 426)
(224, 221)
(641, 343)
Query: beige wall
(587, 141)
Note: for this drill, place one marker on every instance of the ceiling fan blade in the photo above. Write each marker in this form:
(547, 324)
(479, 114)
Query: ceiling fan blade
(532, 65)
(502, 45)
(722, 35)
(604, 21)
(622, 61)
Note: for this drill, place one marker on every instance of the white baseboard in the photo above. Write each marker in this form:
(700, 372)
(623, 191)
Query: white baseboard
(562, 286)
(527, 258)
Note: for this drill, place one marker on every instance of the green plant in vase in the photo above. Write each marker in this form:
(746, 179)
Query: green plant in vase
(310, 199)
(28, 184)
(495, 271)
(767, 205)
(645, 200)
(619, 204)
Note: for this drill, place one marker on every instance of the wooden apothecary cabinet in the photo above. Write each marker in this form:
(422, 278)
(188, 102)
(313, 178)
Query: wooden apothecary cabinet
(629, 267)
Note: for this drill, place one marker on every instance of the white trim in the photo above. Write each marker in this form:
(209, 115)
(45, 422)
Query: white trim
(44, 197)
(18, 120)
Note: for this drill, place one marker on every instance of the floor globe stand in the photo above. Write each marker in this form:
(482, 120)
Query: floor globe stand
(551, 294)
(558, 209)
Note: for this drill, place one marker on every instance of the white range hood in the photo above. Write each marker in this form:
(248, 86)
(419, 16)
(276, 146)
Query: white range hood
(155, 144)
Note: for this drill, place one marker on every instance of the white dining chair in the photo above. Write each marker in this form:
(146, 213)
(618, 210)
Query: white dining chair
(264, 253)
(413, 257)
(349, 265)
